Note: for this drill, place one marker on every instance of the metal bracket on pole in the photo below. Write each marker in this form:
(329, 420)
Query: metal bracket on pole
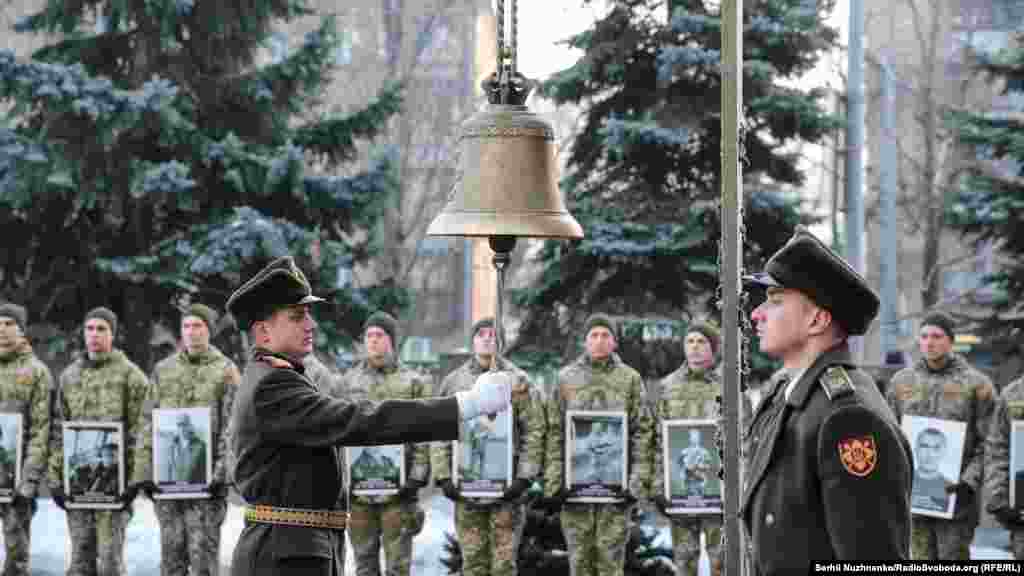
(730, 266)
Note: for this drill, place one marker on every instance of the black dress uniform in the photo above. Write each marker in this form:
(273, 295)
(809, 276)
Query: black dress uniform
(831, 472)
(284, 437)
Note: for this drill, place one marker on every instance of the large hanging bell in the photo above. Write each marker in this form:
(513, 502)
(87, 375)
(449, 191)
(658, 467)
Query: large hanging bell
(509, 179)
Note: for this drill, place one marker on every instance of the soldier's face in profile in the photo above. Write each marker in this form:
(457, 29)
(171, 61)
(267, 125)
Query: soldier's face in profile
(934, 343)
(289, 331)
(377, 342)
(698, 351)
(600, 342)
(195, 334)
(930, 448)
(99, 338)
(10, 332)
(783, 321)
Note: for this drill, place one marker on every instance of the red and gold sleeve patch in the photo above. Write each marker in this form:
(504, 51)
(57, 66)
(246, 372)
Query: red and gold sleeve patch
(858, 455)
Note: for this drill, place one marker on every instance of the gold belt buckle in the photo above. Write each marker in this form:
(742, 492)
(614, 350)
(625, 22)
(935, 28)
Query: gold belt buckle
(305, 517)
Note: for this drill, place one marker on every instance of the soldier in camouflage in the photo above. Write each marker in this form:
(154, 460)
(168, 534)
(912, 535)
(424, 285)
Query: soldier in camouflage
(197, 376)
(103, 385)
(25, 384)
(390, 522)
(943, 385)
(1009, 406)
(596, 534)
(489, 530)
(690, 393)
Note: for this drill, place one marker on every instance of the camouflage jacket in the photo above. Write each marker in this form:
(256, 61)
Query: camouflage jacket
(683, 394)
(956, 392)
(206, 380)
(391, 382)
(607, 386)
(109, 388)
(528, 421)
(25, 384)
(1009, 407)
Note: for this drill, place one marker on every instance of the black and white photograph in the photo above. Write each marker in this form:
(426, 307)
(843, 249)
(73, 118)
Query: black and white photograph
(376, 470)
(182, 454)
(93, 464)
(1016, 463)
(938, 447)
(10, 455)
(595, 455)
(691, 462)
(482, 460)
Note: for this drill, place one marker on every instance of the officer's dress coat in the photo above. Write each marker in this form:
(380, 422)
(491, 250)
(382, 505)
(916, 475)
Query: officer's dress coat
(284, 437)
(831, 473)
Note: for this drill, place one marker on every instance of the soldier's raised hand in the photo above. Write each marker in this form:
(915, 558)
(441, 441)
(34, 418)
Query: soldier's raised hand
(491, 394)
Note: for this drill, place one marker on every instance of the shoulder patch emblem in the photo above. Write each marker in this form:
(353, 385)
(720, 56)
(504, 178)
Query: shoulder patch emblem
(836, 382)
(858, 455)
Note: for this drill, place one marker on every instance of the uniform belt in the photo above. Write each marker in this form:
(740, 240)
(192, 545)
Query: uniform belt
(310, 518)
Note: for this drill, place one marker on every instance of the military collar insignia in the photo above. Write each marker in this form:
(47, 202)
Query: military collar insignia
(836, 382)
(858, 455)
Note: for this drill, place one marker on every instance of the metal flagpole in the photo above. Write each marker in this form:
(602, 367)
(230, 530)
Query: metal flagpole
(729, 271)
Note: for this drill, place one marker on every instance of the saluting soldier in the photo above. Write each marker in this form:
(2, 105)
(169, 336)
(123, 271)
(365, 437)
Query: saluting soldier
(830, 474)
(489, 530)
(943, 385)
(25, 384)
(198, 375)
(285, 432)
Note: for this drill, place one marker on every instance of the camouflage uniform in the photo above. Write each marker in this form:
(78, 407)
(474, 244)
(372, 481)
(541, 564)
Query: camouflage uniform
(955, 392)
(687, 394)
(596, 534)
(190, 529)
(1009, 407)
(388, 521)
(489, 532)
(108, 388)
(25, 384)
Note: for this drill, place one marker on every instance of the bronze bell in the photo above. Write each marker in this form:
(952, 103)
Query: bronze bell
(509, 179)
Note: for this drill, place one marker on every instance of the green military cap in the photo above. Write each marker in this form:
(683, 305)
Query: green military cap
(709, 330)
(599, 319)
(385, 322)
(806, 264)
(105, 314)
(203, 312)
(16, 313)
(278, 285)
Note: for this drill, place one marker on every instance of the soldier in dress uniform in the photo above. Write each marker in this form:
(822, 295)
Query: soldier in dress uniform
(831, 471)
(285, 432)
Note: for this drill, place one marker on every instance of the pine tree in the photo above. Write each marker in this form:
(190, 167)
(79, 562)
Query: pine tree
(643, 174)
(148, 154)
(989, 207)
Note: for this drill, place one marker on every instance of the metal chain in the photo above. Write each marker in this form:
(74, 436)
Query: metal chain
(501, 36)
(515, 44)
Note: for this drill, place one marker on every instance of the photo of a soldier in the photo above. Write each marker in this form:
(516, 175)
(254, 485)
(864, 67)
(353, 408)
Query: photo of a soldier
(182, 448)
(694, 465)
(690, 463)
(375, 470)
(597, 451)
(93, 466)
(484, 449)
(10, 425)
(938, 447)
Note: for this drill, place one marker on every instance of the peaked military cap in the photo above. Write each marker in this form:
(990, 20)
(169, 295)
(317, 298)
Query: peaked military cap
(806, 264)
(278, 285)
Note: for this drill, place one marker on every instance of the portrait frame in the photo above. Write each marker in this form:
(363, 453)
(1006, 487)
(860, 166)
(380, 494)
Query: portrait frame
(677, 455)
(89, 482)
(472, 480)
(938, 448)
(600, 479)
(11, 425)
(179, 471)
(1016, 463)
(369, 476)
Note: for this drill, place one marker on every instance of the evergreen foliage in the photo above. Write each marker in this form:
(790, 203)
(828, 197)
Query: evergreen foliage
(149, 154)
(990, 204)
(643, 176)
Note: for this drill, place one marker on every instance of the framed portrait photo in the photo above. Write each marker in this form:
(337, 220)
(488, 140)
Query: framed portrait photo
(93, 464)
(482, 460)
(690, 461)
(182, 453)
(376, 470)
(1017, 464)
(10, 455)
(938, 446)
(595, 455)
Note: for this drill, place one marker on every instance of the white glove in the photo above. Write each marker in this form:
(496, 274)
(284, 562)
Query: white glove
(491, 394)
